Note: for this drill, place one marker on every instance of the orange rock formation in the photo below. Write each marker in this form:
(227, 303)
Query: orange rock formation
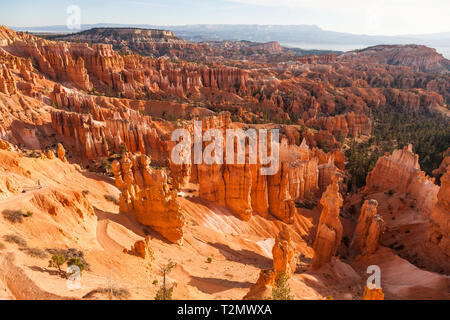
(329, 230)
(369, 229)
(147, 195)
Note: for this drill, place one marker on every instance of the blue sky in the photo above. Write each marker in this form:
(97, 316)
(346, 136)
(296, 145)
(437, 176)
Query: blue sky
(388, 17)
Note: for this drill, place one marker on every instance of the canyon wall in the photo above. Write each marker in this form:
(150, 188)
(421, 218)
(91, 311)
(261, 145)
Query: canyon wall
(437, 243)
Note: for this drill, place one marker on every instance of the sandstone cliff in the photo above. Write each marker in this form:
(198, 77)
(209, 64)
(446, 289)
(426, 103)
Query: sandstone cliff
(437, 243)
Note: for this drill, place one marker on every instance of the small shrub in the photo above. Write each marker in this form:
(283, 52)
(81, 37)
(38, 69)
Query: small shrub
(105, 164)
(164, 293)
(209, 260)
(155, 282)
(390, 192)
(57, 261)
(122, 148)
(29, 214)
(85, 192)
(35, 253)
(330, 298)
(112, 199)
(14, 216)
(76, 262)
(281, 290)
(119, 293)
(11, 238)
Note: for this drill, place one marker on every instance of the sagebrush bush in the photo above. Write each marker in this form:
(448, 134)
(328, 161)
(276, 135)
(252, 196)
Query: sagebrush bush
(35, 253)
(14, 216)
(12, 238)
(118, 293)
(112, 199)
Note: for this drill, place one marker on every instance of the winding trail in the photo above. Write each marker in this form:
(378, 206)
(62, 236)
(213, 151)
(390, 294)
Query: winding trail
(26, 196)
(105, 241)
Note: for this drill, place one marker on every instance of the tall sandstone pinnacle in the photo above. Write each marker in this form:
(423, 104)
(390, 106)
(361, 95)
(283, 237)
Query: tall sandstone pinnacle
(146, 194)
(61, 153)
(329, 230)
(283, 253)
(369, 229)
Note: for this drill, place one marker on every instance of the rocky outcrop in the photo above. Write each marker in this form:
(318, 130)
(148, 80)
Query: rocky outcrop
(147, 195)
(283, 262)
(373, 294)
(369, 229)
(61, 153)
(7, 83)
(283, 253)
(329, 230)
(437, 239)
(262, 289)
(417, 57)
(245, 191)
(94, 139)
(142, 249)
(349, 124)
(394, 171)
(401, 172)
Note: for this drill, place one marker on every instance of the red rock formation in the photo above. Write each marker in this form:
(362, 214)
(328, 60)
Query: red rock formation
(373, 294)
(142, 249)
(329, 230)
(369, 229)
(262, 289)
(283, 253)
(95, 139)
(437, 239)
(7, 83)
(349, 124)
(244, 190)
(147, 195)
(283, 261)
(394, 171)
(417, 57)
(401, 172)
(61, 153)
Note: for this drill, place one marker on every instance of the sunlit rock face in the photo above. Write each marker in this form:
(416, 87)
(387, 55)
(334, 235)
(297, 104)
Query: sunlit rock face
(147, 195)
(329, 230)
(369, 229)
